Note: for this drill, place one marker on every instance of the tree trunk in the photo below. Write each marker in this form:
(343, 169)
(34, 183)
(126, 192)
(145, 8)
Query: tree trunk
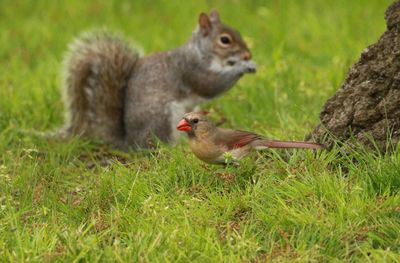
(367, 106)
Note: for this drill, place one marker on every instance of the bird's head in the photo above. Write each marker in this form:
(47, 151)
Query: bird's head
(195, 123)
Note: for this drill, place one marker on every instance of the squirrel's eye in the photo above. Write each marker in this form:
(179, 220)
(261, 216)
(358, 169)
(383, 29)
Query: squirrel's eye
(195, 120)
(225, 40)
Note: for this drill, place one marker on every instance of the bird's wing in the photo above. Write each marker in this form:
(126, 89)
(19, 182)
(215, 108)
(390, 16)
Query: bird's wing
(234, 139)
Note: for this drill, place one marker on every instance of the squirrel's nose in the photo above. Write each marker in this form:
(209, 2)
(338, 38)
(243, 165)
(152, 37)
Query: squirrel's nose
(246, 55)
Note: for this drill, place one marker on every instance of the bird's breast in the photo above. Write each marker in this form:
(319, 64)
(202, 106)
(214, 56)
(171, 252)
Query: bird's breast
(207, 151)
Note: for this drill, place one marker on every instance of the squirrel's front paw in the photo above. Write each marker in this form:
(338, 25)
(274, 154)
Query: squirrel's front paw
(246, 66)
(250, 66)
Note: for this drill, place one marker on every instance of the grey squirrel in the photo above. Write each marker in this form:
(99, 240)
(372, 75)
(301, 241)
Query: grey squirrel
(113, 95)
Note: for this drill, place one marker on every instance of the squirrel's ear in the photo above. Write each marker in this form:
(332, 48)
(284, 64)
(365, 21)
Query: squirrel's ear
(214, 16)
(204, 23)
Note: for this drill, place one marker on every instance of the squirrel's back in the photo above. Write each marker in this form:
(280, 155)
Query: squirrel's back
(97, 70)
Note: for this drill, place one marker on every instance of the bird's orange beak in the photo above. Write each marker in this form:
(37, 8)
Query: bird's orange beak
(184, 125)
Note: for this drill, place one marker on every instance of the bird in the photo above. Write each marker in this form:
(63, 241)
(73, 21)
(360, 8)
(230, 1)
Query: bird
(215, 145)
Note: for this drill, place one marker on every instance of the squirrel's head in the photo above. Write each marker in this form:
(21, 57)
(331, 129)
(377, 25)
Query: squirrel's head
(224, 44)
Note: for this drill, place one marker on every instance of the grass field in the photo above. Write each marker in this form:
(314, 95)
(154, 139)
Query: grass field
(79, 201)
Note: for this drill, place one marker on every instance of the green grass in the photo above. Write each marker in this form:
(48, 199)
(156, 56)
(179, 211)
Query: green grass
(59, 201)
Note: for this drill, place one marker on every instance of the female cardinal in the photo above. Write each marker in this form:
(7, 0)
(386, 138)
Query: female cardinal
(210, 143)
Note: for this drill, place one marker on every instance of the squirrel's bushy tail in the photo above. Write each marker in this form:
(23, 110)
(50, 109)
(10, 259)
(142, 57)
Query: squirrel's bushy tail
(96, 73)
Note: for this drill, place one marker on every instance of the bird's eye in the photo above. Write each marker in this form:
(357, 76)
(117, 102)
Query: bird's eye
(195, 120)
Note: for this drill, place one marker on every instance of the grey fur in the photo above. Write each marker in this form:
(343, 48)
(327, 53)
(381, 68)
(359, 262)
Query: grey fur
(113, 95)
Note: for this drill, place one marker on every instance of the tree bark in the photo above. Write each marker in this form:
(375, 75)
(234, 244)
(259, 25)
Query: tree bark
(367, 105)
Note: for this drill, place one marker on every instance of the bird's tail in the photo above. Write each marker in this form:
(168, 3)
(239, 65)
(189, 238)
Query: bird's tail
(289, 144)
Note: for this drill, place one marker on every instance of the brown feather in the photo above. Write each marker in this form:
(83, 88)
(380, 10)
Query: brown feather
(287, 144)
(234, 139)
